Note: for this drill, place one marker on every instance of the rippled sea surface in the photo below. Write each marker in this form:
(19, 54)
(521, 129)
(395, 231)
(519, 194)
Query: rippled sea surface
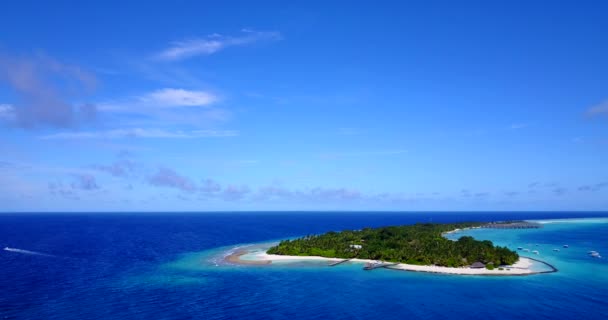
(163, 266)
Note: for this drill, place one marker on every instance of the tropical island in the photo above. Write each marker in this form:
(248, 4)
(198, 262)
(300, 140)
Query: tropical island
(419, 244)
(421, 247)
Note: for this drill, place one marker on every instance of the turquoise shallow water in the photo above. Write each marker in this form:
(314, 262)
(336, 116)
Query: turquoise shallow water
(581, 236)
(580, 282)
(170, 266)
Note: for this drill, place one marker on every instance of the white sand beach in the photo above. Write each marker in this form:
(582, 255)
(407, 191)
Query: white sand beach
(522, 267)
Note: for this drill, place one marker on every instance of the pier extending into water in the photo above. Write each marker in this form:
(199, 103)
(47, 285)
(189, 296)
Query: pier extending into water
(513, 225)
(372, 266)
(332, 264)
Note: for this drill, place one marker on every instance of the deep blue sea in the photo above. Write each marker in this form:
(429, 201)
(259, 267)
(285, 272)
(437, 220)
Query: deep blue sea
(159, 266)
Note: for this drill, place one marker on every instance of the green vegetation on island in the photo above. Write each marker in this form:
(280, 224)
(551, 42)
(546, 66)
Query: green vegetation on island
(419, 244)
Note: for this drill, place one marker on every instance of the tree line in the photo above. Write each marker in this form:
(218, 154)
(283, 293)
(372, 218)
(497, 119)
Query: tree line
(419, 244)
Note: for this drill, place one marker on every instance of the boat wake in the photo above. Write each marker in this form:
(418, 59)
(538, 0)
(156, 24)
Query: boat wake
(27, 252)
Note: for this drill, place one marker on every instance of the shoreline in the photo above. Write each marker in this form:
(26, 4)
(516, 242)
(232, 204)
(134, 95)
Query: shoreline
(457, 230)
(521, 268)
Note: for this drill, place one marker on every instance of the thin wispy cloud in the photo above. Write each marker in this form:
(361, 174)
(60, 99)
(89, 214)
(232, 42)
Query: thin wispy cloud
(281, 194)
(60, 190)
(85, 182)
(11, 165)
(161, 99)
(213, 43)
(7, 112)
(44, 89)
(517, 126)
(166, 177)
(594, 187)
(122, 168)
(233, 193)
(209, 187)
(599, 109)
(81, 183)
(559, 191)
(206, 189)
(164, 107)
(142, 133)
(334, 155)
(170, 97)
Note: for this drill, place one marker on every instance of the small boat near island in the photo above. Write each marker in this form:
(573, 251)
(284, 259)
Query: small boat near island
(527, 250)
(565, 246)
(520, 248)
(535, 252)
(594, 254)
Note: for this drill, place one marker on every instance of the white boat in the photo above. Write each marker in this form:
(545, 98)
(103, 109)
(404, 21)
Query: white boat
(527, 250)
(535, 252)
(592, 252)
(565, 246)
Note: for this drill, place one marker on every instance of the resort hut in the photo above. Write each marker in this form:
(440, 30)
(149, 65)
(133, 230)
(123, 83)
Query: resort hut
(478, 265)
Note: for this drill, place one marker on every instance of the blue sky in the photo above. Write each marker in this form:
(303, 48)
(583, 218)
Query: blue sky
(190, 106)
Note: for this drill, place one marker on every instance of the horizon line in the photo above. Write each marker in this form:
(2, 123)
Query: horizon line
(314, 211)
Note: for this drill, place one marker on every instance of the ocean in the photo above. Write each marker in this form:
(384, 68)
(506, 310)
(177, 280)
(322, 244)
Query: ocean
(165, 266)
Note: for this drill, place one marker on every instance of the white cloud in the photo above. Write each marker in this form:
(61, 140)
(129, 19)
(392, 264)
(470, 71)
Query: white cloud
(213, 43)
(170, 97)
(7, 112)
(142, 133)
(598, 110)
(161, 99)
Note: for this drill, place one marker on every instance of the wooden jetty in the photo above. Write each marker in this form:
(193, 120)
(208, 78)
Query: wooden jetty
(332, 264)
(372, 266)
(513, 225)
